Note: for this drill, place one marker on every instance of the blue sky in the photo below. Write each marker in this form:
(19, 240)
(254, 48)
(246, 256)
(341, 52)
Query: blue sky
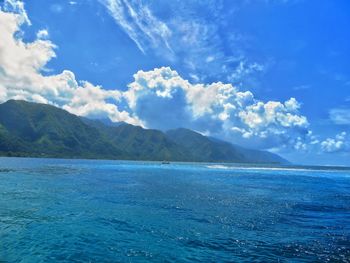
(267, 50)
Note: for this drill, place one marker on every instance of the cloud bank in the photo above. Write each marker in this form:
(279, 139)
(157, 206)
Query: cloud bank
(217, 108)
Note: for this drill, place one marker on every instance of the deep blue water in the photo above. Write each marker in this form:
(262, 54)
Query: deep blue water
(112, 211)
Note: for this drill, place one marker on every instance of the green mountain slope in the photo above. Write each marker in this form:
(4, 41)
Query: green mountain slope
(146, 144)
(139, 143)
(203, 148)
(44, 130)
(32, 129)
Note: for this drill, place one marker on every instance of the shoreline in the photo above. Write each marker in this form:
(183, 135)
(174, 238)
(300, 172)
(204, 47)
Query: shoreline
(227, 165)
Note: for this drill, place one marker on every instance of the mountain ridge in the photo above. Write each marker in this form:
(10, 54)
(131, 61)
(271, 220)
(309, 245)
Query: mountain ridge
(41, 130)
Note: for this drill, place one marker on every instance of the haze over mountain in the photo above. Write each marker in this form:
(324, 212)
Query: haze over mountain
(40, 130)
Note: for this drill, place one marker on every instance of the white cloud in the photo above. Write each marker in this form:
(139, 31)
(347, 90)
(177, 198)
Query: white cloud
(21, 65)
(186, 37)
(139, 23)
(292, 105)
(245, 69)
(338, 144)
(220, 108)
(17, 7)
(340, 116)
(42, 34)
(209, 59)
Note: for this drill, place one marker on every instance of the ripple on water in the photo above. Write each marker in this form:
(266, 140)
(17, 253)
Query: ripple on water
(87, 211)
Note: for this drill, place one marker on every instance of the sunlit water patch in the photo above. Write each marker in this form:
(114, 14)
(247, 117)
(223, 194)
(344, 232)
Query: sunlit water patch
(108, 211)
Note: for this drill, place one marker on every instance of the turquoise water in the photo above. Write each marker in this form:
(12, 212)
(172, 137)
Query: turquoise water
(113, 211)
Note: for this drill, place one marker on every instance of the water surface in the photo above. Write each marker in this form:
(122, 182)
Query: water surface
(108, 211)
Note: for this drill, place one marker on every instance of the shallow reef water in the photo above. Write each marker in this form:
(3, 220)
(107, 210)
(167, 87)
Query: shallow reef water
(55, 210)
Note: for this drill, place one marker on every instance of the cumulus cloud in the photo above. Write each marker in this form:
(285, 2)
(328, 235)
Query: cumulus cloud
(42, 34)
(21, 66)
(165, 100)
(219, 108)
(338, 144)
(17, 7)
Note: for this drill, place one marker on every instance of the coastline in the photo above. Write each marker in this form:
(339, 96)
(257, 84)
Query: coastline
(224, 165)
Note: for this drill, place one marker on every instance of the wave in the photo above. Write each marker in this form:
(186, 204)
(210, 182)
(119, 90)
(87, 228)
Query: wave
(219, 166)
(295, 169)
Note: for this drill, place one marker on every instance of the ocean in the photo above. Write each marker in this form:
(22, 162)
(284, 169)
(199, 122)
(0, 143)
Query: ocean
(55, 210)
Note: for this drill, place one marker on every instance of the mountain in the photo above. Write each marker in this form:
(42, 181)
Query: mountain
(41, 130)
(207, 149)
(31, 129)
(203, 148)
(139, 143)
(143, 144)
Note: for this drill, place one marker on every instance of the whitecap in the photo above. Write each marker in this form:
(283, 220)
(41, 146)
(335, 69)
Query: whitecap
(219, 166)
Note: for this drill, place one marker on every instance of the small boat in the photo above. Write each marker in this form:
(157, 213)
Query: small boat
(165, 162)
